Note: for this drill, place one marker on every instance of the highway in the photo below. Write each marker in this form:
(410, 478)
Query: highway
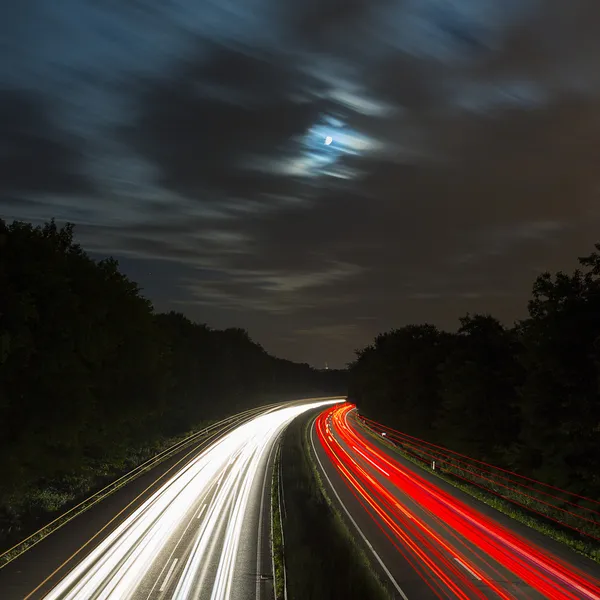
(196, 527)
(430, 540)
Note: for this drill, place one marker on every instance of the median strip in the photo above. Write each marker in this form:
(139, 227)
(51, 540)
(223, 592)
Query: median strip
(277, 531)
(321, 556)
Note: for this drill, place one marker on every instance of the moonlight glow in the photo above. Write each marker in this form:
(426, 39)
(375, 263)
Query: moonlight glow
(328, 140)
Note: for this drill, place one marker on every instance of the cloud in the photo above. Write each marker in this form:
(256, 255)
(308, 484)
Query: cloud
(464, 136)
(203, 125)
(274, 291)
(37, 157)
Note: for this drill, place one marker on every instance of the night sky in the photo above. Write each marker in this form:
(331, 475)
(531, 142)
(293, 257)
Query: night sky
(314, 171)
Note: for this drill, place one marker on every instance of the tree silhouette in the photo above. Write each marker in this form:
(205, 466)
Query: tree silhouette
(88, 370)
(526, 397)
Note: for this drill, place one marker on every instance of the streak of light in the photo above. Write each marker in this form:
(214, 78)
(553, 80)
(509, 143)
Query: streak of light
(129, 555)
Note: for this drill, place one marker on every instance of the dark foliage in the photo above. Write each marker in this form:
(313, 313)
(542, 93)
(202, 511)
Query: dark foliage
(525, 397)
(89, 371)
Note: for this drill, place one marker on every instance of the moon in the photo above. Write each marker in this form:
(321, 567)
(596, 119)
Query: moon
(328, 140)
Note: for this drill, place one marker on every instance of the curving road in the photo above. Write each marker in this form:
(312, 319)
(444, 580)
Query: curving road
(198, 529)
(431, 540)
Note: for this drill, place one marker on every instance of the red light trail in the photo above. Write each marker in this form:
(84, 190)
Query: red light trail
(457, 551)
(544, 499)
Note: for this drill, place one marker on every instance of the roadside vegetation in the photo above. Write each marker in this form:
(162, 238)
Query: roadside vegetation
(93, 381)
(277, 531)
(317, 541)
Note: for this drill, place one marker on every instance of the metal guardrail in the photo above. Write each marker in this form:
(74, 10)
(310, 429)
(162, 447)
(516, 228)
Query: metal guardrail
(281, 502)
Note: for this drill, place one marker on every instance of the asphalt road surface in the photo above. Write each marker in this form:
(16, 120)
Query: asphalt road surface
(195, 527)
(431, 540)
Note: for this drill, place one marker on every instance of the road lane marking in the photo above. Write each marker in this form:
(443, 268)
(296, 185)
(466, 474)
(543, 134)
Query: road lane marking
(163, 587)
(172, 552)
(367, 458)
(404, 511)
(200, 511)
(462, 564)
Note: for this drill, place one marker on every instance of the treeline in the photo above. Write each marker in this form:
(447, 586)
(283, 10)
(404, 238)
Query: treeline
(526, 397)
(89, 371)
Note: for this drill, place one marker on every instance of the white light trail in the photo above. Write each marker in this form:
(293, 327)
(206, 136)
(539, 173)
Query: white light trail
(122, 565)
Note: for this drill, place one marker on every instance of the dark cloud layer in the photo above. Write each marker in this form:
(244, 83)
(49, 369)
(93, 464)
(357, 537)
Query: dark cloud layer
(37, 156)
(316, 171)
(203, 122)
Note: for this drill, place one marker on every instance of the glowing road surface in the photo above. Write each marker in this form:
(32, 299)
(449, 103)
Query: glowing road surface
(199, 535)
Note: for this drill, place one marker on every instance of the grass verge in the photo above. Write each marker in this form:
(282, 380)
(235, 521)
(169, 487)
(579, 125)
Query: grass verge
(532, 520)
(322, 558)
(277, 533)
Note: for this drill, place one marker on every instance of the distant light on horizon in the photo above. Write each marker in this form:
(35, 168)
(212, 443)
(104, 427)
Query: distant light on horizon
(328, 140)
